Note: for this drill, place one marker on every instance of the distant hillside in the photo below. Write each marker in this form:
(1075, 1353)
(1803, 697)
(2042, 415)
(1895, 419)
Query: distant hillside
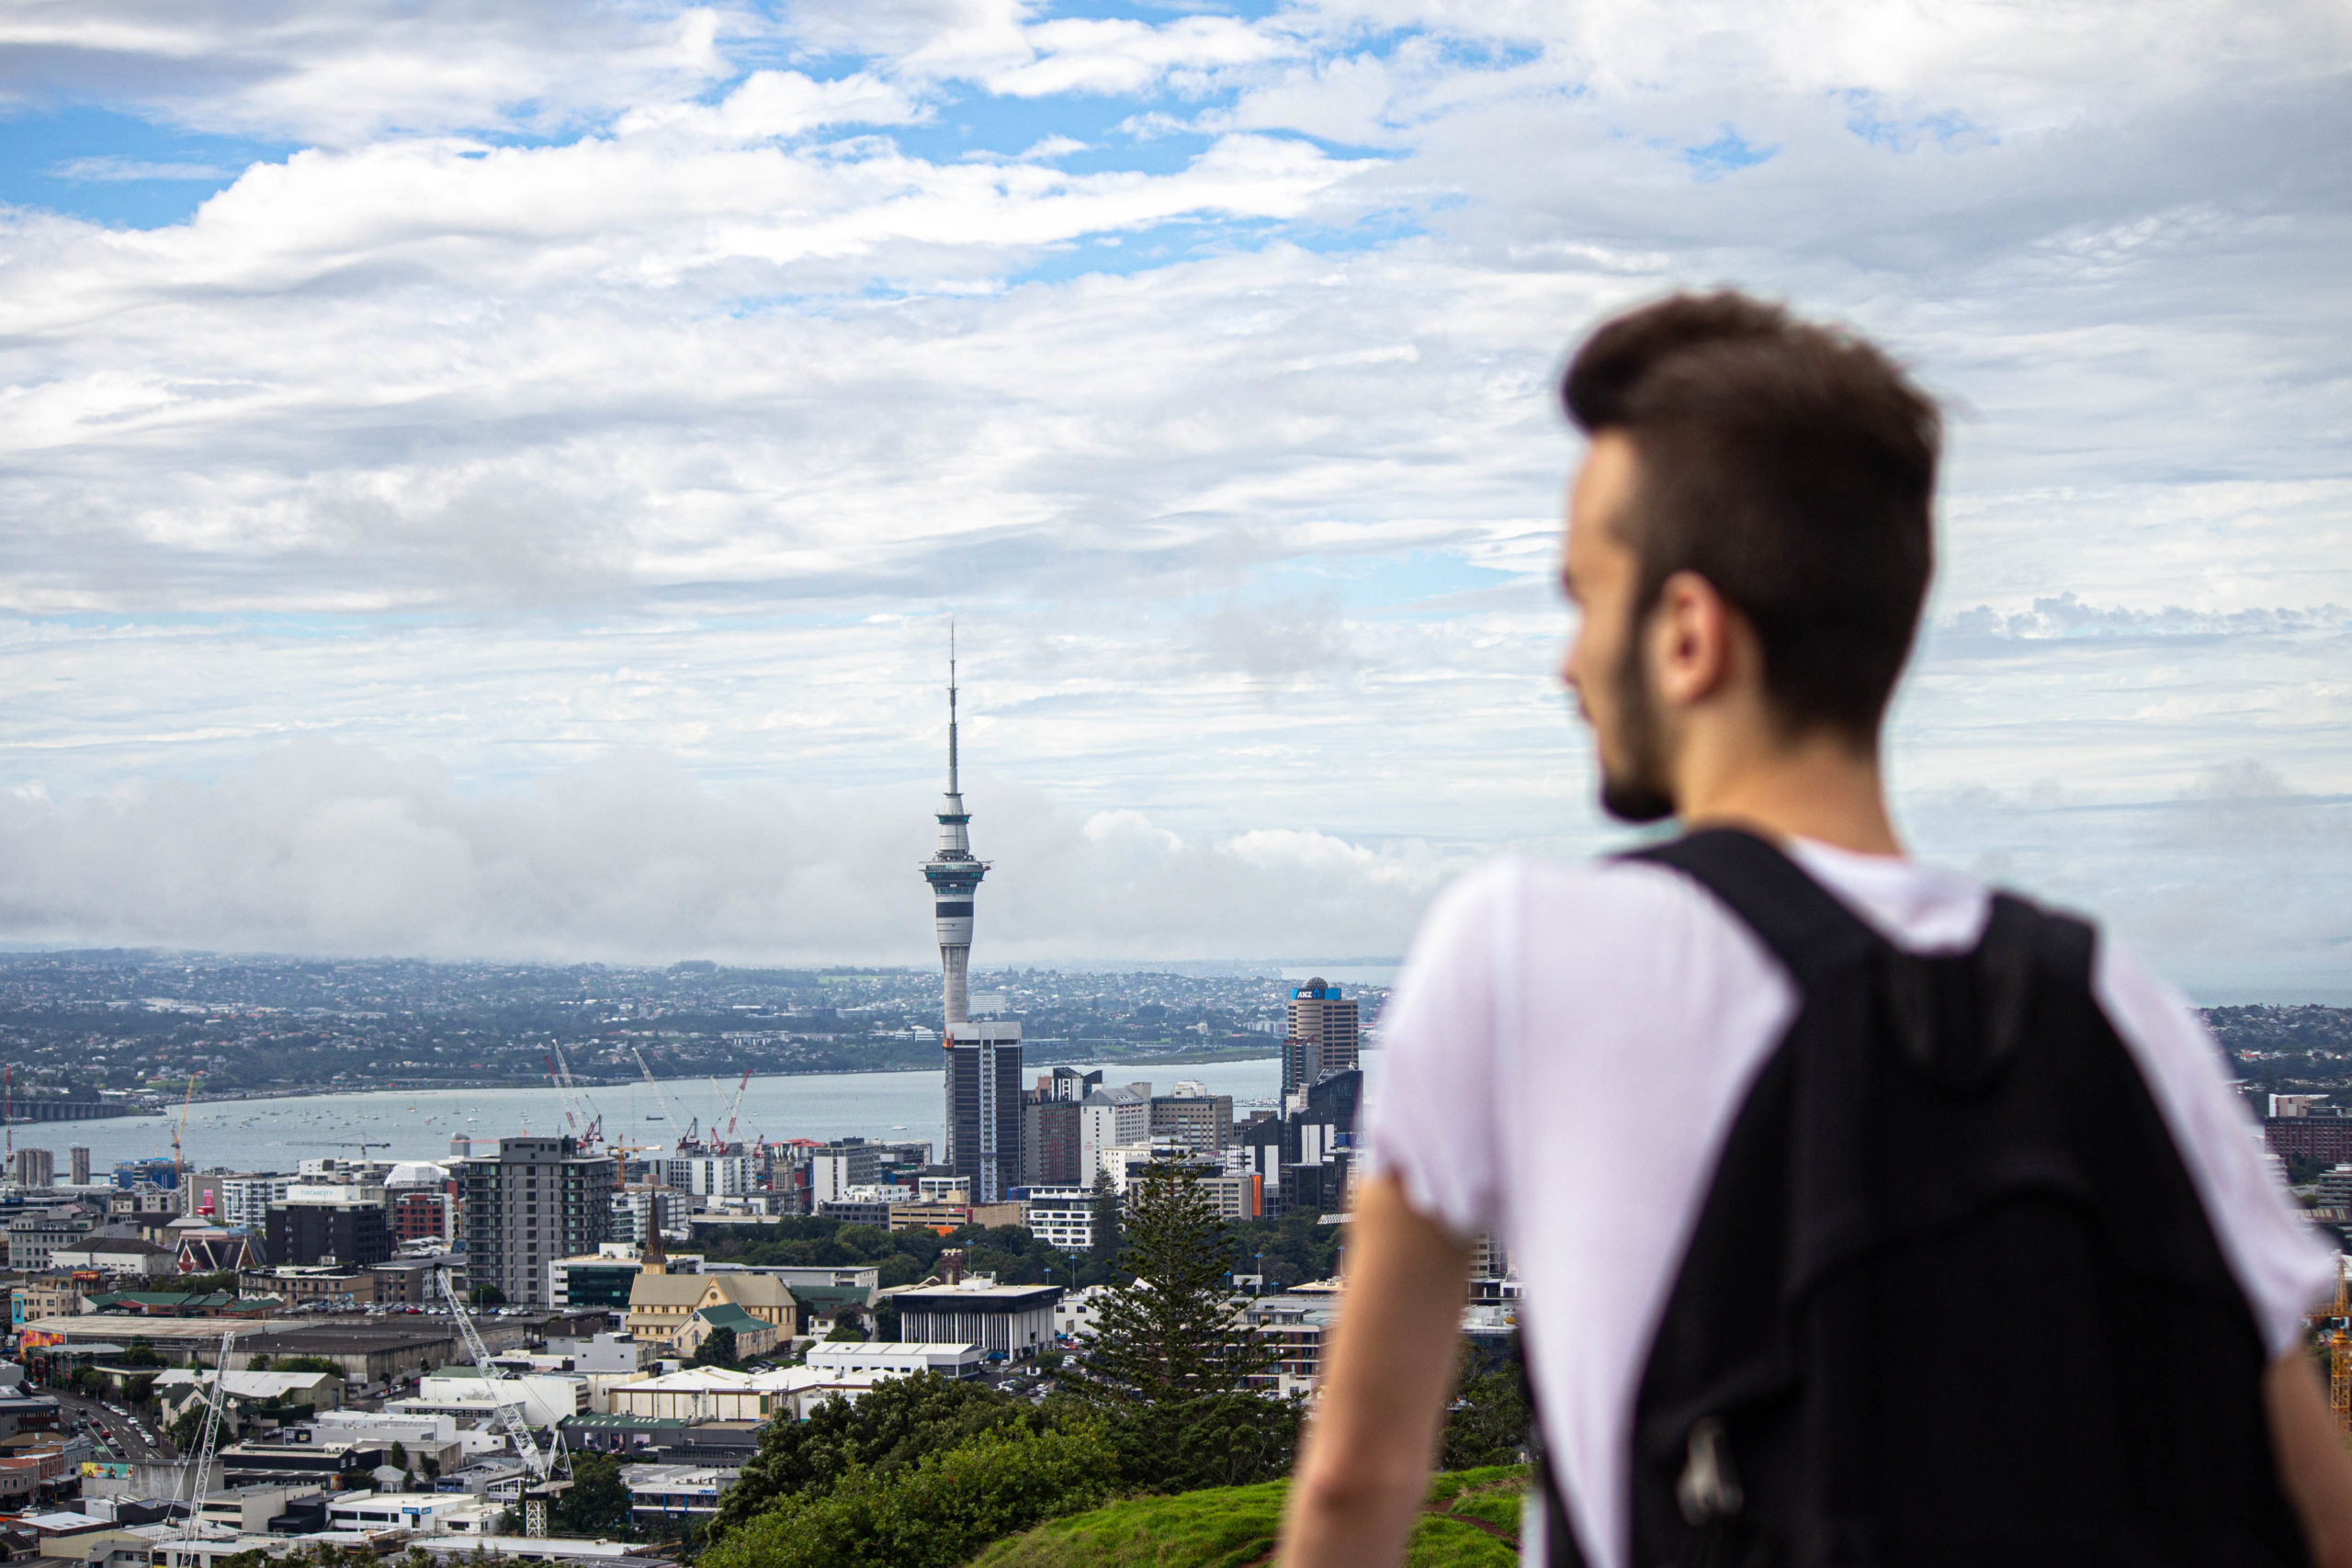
(2289, 1050)
(2308, 1028)
(1471, 1520)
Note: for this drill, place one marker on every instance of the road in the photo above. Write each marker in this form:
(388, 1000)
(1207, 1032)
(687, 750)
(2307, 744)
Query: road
(125, 1441)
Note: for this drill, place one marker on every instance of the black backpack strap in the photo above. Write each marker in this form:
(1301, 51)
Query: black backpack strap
(1799, 921)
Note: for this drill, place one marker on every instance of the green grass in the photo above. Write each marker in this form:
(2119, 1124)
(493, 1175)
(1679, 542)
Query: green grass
(1234, 1528)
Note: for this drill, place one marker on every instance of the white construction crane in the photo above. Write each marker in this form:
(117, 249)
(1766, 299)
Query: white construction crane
(200, 1474)
(663, 1095)
(733, 1106)
(547, 1471)
(590, 1124)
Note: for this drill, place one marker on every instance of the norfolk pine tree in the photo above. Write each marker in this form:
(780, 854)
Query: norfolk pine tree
(1169, 1363)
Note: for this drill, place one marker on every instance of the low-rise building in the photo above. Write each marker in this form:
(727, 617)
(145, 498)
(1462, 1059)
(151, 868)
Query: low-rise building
(1077, 1313)
(665, 1499)
(754, 1335)
(426, 1513)
(660, 1304)
(1061, 1217)
(116, 1256)
(59, 1295)
(295, 1395)
(947, 1215)
(36, 1234)
(289, 1459)
(898, 1357)
(314, 1284)
(702, 1394)
(1013, 1322)
(547, 1399)
(249, 1510)
(1294, 1324)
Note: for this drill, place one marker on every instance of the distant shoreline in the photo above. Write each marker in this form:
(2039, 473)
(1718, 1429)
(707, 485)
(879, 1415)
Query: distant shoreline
(305, 1091)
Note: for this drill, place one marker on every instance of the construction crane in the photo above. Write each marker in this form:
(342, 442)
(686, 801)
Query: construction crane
(663, 1095)
(590, 1124)
(547, 1471)
(563, 1093)
(199, 1475)
(179, 1164)
(735, 1105)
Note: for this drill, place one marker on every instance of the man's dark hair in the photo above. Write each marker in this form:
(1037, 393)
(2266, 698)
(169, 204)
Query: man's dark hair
(1793, 466)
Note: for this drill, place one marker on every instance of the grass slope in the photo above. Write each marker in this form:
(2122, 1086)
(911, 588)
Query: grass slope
(1234, 1527)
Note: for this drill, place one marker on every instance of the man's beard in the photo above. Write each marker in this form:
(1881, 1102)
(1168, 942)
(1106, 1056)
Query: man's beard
(1638, 791)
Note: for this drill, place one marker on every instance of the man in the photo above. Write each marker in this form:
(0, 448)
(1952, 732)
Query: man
(1595, 1062)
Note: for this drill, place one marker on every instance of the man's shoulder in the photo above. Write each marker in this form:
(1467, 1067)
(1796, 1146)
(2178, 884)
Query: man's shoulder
(1523, 885)
(1565, 909)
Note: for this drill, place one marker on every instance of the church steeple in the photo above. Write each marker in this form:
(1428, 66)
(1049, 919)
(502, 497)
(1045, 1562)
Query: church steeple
(654, 1259)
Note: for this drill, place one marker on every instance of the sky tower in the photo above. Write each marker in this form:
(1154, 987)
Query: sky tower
(953, 873)
(983, 1058)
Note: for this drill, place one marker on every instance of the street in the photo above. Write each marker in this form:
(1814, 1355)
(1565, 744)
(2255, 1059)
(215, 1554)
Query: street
(119, 1436)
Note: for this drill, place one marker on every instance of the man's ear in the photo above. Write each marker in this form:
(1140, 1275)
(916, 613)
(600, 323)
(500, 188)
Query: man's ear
(1692, 640)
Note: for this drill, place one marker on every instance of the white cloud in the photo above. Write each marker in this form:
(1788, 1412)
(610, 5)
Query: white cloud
(339, 76)
(1120, 55)
(113, 170)
(331, 848)
(656, 433)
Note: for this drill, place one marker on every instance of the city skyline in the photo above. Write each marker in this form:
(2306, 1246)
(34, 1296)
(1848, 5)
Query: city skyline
(515, 516)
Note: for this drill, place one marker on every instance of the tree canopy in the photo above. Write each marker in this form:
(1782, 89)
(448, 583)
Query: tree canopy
(891, 1426)
(1174, 1333)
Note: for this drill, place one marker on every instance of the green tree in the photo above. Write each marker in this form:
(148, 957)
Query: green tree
(1106, 1220)
(486, 1295)
(936, 1514)
(1169, 1365)
(717, 1349)
(189, 1431)
(845, 1329)
(398, 1453)
(309, 1364)
(141, 1353)
(1175, 1333)
(1488, 1424)
(890, 1427)
(596, 1504)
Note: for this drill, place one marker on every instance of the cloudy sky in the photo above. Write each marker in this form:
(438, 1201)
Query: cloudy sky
(494, 479)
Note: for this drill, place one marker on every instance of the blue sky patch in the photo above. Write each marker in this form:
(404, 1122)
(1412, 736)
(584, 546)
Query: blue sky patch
(110, 167)
(1725, 154)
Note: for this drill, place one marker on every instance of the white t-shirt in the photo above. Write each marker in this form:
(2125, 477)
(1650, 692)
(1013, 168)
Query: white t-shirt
(1566, 1051)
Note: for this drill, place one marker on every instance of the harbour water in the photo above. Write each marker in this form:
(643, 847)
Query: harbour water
(275, 1134)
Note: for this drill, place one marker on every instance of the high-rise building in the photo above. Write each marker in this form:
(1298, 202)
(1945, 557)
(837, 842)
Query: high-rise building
(1320, 1038)
(1108, 1119)
(1049, 1140)
(1069, 1083)
(983, 1066)
(533, 1202)
(834, 1168)
(78, 1161)
(1202, 1123)
(36, 1168)
(984, 1106)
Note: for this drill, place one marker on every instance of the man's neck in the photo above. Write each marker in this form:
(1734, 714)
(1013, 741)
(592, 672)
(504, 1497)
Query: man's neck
(1821, 787)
